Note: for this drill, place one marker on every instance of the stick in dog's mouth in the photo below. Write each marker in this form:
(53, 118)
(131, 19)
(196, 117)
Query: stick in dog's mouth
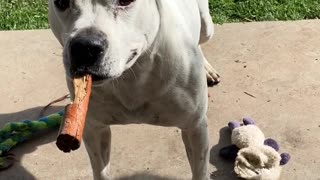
(72, 125)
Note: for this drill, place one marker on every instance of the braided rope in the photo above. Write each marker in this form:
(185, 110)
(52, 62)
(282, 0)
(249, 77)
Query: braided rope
(14, 133)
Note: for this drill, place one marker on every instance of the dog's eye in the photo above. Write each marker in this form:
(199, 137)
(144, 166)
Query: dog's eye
(125, 2)
(62, 4)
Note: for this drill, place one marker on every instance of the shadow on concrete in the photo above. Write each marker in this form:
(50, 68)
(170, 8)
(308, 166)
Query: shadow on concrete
(224, 168)
(17, 171)
(144, 176)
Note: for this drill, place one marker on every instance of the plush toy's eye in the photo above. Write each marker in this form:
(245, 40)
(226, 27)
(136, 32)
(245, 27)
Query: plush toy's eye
(62, 5)
(125, 2)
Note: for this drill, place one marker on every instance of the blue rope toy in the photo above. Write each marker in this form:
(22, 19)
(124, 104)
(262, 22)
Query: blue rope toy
(14, 133)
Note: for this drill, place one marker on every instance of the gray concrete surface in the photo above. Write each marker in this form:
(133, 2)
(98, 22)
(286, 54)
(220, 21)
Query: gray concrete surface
(277, 62)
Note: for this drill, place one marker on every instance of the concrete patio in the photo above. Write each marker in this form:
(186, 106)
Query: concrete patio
(276, 62)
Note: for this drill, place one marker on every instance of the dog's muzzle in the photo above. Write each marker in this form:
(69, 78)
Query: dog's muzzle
(86, 52)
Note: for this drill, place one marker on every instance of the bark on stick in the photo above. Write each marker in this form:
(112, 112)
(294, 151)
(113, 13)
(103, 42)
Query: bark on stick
(72, 125)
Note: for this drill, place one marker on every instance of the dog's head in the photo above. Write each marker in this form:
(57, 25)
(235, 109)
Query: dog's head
(103, 37)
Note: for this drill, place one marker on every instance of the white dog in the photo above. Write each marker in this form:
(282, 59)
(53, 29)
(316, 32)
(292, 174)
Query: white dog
(147, 67)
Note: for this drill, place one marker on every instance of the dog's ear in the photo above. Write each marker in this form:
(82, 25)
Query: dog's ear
(229, 152)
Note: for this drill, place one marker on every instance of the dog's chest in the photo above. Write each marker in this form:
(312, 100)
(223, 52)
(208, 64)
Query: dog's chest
(162, 110)
(155, 96)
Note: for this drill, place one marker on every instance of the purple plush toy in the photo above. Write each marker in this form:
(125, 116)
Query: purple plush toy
(255, 156)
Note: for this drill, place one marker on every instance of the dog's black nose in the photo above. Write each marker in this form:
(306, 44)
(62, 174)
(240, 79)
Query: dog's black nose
(87, 48)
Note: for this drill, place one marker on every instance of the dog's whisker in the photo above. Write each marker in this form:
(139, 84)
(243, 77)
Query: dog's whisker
(117, 82)
(138, 65)
(122, 78)
(126, 13)
(113, 88)
(135, 77)
(148, 52)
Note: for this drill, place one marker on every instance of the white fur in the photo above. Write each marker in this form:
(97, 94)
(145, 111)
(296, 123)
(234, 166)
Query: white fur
(258, 163)
(165, 85)
(246, 136)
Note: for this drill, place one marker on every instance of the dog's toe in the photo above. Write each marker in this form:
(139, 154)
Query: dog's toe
(213, 78)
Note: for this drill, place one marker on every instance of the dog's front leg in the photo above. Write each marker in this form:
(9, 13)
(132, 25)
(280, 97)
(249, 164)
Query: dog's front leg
(196, 142)
(97, 139)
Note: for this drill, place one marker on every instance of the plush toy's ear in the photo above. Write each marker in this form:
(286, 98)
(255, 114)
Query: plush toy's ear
(233, 124)
(285, 157)
(229, 152)
(272, 143)
(248, 121)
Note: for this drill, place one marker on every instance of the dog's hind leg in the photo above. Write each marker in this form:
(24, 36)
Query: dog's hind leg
(97, 139)
(196, 142)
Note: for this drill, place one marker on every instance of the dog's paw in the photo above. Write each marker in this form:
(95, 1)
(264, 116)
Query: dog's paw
(213, 76)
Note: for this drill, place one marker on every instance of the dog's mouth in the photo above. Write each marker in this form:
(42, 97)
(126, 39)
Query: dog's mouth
(98, 75)
(79, 72)
(97, 78)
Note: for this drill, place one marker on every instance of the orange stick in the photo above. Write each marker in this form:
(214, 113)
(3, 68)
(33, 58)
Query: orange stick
(73, 122)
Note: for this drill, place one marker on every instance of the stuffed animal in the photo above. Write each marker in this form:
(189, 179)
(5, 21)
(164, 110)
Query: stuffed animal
(255, 157)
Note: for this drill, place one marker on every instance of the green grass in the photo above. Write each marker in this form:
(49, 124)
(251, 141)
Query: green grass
(23, 14)
(32, 14)
(263, 10)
